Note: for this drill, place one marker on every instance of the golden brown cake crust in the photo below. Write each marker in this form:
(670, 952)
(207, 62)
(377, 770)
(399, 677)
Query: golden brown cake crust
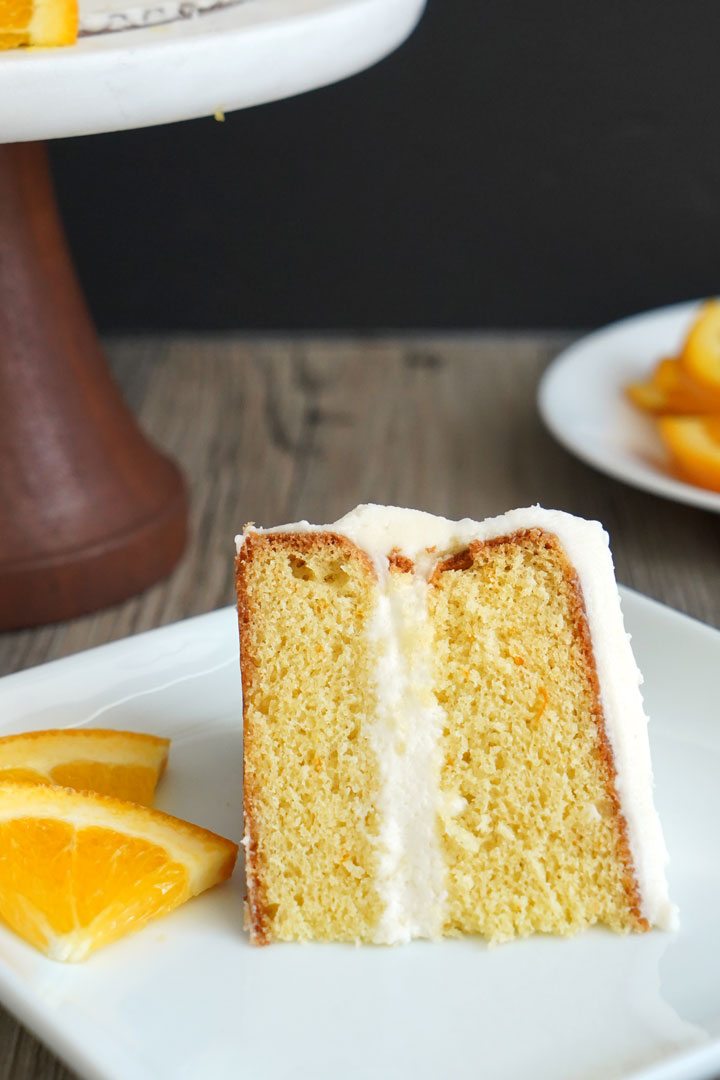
(258, 918)
(400, 563)
(532, 538)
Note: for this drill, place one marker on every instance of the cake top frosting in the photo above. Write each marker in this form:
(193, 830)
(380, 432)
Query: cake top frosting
(378, 530)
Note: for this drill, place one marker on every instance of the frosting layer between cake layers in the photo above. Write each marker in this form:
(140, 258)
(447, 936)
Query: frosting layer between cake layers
(406, 730)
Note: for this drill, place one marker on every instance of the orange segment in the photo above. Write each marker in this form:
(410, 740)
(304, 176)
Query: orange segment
(37, 22)
(79, 870)
(700, 357)
(125, 764)
(684, 394)
(694, 444)
(671, 390)
(647, 396)
(10, 40)
(23, 774)
(15, 19)
(666, 373)
(136, 783)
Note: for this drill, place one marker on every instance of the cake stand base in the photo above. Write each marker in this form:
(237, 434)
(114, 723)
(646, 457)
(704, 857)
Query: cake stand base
(90, 512)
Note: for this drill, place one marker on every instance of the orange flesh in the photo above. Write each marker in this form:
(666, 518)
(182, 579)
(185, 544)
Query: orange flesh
(72, 879)
(48, 22)
(133, 782)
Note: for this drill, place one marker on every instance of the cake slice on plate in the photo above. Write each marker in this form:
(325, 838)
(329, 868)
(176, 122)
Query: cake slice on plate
(444, 732)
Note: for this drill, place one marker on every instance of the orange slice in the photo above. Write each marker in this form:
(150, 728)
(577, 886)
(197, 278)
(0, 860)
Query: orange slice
(694, 443)
(125, 764)
(38, 22)
(671, 390)
(685, 395)
(648, 397)
(700, 357)
(79, 870)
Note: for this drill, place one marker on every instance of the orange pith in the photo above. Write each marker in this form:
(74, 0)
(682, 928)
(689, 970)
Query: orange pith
(124, 764)
(37, 22)
(79, 870)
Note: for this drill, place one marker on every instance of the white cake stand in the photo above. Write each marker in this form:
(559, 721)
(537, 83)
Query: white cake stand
(230, 57)
(90, 512)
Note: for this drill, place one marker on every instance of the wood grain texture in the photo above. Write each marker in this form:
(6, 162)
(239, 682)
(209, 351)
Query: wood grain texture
(273, 431)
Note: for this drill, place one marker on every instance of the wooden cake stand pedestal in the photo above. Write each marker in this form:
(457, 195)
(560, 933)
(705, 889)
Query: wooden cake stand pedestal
(90, 512)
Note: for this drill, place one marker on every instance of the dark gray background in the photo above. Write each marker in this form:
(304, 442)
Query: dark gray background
(514, 164)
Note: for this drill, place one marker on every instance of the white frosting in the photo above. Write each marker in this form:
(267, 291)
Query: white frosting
(411, 865)
(405, 738)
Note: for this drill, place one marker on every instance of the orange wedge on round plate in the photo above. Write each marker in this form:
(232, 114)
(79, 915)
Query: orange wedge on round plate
(124, 764)
(38, 22)
(700, 356)
(694, 444)
(671, 390)
(79, 870)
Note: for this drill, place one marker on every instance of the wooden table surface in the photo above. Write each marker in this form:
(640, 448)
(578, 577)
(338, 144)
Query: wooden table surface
(272, 430)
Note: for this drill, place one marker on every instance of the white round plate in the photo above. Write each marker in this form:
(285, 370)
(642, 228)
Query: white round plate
(200, 63)
(582, 402)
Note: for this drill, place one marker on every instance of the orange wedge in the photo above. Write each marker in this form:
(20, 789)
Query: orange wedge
(38, 22)
(79, 870)
(671, 390)
(124, 764)
(685, 395)
(648, 397)
(694, 444)
(700, 357)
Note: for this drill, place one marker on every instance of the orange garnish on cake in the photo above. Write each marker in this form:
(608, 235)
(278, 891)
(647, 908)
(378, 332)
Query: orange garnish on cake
(79, 870)
(694, 445)
(38, 22)
(124, 764)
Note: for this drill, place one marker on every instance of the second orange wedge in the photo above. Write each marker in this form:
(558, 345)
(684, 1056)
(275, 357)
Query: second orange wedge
(125, 764)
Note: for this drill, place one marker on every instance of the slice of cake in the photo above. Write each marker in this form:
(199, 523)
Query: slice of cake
(444, 732)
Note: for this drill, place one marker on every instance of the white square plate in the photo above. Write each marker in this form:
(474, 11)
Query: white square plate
(188, 999)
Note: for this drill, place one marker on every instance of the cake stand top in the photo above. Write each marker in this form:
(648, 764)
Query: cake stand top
(190, 62)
